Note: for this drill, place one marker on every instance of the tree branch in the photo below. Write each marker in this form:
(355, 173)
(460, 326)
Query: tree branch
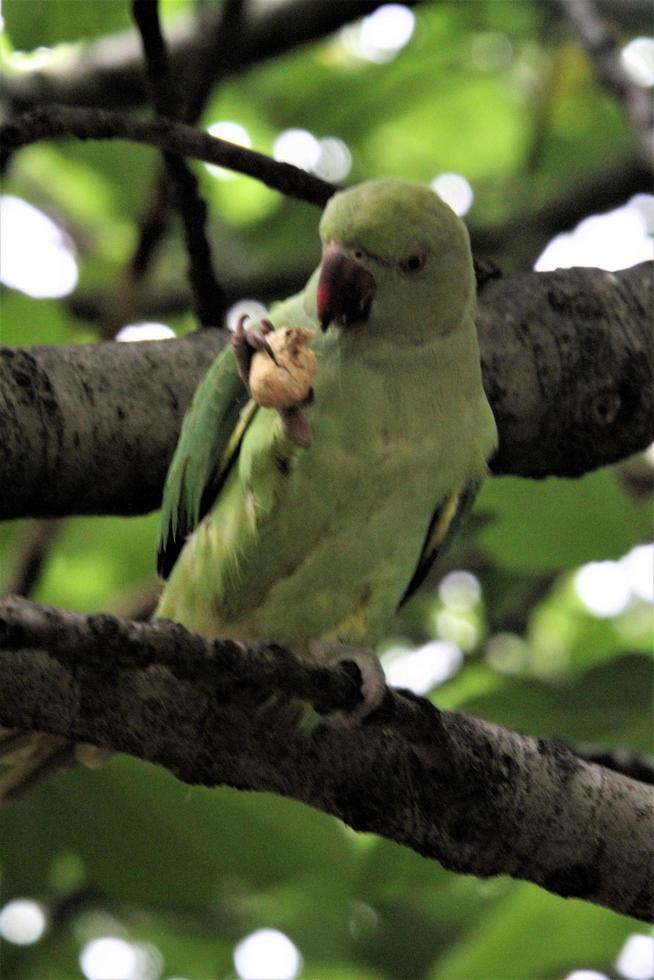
(602, 49)
(208, 296)
(110, 73)
(478, 798)
(568, 362)
(54, 121)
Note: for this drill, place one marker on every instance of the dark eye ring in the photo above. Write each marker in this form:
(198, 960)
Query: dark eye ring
(414, 262)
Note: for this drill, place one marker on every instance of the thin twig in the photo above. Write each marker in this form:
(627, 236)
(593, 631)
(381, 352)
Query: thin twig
(57, 121)
(208, 296)
(218, 47)
(32, 556)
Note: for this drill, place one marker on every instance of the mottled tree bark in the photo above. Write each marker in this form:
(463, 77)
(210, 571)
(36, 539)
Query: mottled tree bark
(568, 361)
(478, 798)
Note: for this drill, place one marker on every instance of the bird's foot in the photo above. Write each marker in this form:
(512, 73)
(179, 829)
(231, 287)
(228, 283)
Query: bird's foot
(245, 344)
(373, 680)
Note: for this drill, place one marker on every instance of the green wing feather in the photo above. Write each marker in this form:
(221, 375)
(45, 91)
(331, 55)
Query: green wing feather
(444, 524)
(210, 439)
(208, 442)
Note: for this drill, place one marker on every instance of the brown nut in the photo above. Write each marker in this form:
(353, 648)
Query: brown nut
(287, 382)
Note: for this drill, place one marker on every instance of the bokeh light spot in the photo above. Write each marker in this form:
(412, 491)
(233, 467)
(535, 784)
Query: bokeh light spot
(363, 922)
(460, 591)
(297, 146)
(603, 588)
(36, 256)
(232, 132)
(423, 669)
(335, 160)
(245, 307)
(586, 975)
(491, 51)
(638, 565)
(385, 32)
(614, 240)
(507, 653)
(22, 922)
(457, 628)
(108, 958)
(637, 59)
(636, 958)
(145, 331)
(455, 190)
(267, 954)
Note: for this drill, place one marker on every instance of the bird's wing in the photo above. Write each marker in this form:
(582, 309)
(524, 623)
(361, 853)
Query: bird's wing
(208, 443)
(444, 524)
(210, 439)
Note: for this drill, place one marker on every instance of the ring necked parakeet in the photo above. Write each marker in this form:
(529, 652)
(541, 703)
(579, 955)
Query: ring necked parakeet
(309, 526)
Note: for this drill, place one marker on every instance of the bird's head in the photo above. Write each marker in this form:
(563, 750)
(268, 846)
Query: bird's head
(396, 259)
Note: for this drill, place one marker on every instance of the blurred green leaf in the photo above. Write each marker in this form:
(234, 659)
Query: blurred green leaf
(145, 838)
(527, 935)
(35, 23)
(553, 524)
(609, 704)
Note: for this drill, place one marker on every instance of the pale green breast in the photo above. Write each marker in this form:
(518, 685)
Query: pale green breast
(321, 543)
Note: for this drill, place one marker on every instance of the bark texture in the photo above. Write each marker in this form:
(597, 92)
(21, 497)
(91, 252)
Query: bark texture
(478, 798)
(81, 426)
(568, 361)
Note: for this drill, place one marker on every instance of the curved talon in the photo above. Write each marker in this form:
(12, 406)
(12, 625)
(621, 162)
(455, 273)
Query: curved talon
(245, 343)
(373, 680)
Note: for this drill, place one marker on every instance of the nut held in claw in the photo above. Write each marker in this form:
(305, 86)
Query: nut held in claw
(285, 381)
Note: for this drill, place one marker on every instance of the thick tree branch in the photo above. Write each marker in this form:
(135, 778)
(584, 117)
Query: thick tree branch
(109, 72)
(54, 121)
(78, 419)
(480, 799)
(568, 361)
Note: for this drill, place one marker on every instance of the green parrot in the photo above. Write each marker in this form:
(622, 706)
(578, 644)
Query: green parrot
(308, 527)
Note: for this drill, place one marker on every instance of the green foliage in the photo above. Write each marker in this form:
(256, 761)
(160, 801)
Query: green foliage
(606, 521)
(496, 92)
(33, 24)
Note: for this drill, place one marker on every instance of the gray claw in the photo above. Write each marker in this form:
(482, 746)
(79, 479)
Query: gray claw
(245, 343)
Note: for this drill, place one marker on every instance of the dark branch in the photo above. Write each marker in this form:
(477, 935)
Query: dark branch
(602, 48)
(520, 239)
(219, 46)
(208, 297)
(32, 555)
(632, 764)
(55, 121)
(110, 73)
(478, 798)
(568, 362)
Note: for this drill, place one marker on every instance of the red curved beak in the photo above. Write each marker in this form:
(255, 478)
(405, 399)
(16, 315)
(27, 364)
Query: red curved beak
(345, 289)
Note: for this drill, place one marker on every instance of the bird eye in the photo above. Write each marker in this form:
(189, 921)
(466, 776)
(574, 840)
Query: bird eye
(414, 262)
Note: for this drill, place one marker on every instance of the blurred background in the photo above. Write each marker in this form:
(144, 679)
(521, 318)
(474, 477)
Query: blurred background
(540, 617)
